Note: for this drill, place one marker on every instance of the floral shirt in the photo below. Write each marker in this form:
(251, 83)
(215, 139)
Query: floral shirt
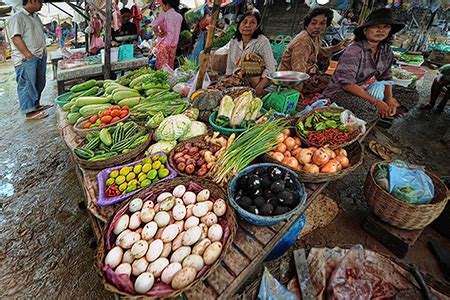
(169, 22)
(357, 66)
(301, 54)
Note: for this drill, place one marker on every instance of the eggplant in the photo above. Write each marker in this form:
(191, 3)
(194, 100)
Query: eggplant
(244, 202)
(277, 186)
(265, 181)
(276, 174)
(266, 209)
(253, 209)
(259, 202)
(267, 194)
(288, 182)
(242, 182)
(254, 182)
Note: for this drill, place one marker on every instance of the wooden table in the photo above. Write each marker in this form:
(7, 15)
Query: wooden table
(69, 77)
(56, 56)
(251, 243)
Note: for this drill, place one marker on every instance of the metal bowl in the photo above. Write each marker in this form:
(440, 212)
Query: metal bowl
(287, 78)
(126, 38)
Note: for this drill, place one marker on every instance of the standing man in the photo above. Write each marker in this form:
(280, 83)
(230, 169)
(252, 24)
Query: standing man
(29, 58)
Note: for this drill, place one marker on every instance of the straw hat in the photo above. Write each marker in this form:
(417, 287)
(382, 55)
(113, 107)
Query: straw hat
(380, 16)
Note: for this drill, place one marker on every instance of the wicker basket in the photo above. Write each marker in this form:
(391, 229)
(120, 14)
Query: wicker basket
(353, 136)
(355, 153)
(78, 127)
(115, 160)
(179, 146)
(150, 193)
(399, 213)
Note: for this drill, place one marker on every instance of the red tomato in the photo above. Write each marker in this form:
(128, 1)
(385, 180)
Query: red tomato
(102, 114)
(115, 119)
(93, 119)
(115, 107)
(123, 114)
(115, 113)
(125, 108)
(87, 125)
(106, 119)
(107, 112)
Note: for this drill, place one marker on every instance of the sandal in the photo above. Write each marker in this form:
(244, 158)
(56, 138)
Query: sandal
(43, 107)
(37, 116)
(379, 150)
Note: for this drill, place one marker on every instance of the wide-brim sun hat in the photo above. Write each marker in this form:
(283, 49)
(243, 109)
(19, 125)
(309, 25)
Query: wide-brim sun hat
(380, 16)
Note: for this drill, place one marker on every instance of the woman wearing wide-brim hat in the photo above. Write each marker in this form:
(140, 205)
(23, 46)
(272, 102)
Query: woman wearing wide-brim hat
(365, 63)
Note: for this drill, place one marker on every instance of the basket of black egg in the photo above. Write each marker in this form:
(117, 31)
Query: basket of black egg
(266, 194)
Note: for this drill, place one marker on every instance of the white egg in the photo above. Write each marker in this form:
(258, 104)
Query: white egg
(162, 218)
(128, 240)
(189, 198)
(210, 205)
(203, 195)
(191, 222)
(158, 266)
(195, 261)
(178, 241)
(209, 219)
(192, 236)
(123, 268)
(154, 250)
(179, 191)
(147, 214)
(220, 207)
(201, 246)
(139, 249)
(139, 266)
(169, 272)
(135, 205)
(167, 249)
(179, 212)
(135, 220)
(170, 233)
(180, 254)
(121, 224)
(200, 209)
(149, 230)
(144, 283)
(148, 204)
(114, 257)
(215, 233)
(163, 196)
(180, 225)
(127, 257)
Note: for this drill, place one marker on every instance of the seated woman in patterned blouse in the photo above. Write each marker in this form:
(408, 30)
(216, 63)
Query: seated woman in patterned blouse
(250, 56)
(366, 61)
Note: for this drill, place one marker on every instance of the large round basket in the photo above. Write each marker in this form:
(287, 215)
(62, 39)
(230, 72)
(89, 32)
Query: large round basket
(121, 284)
(355, 153)
(353, 136)
(78, 127)
(399, 213)
(115, 160)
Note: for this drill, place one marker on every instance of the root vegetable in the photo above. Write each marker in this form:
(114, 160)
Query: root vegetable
(341, 151)
(298, 142)
(181, 167)
(189, 198)
(281, 137)
(200, 209)
(178, 155)
(179, 212)
(202, 171)
(179, 191)
(290, 143)
(192, 235)
(209, 157)
(304, 156)
(167, 249)
(183, 278)
(139, 266)
(170, 271)
(287, 154)
(144, 283)
(135, 220)
(162, 218)
(281, 147)
(170, 233)
(149, 230)
(291, 162)
(215, 232)
(220, 207)
(343, 160)
(127, 257)
(127, 241)
(203, 195)
(331, 167)
(180, 254)
(147, 214)
(178, 241)
(163, 196)
(190, 169)
(114, 257)
(201, 246)
(154, 250)
(122, 224)
(320, 157)
(212, 253)
(278, 156)
(311, 168)
(209, 219)
(180, 225)
(191, 222)
(158, 266)
(139, 249)
(195, 261)
(286, 132)
(295, 152)
(180, 160)
(135, 205)
(123, 268)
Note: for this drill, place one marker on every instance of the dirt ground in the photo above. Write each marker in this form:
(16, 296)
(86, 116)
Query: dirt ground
(47, 247)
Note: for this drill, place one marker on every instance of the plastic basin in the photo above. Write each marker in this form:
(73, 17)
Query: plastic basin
(224, 130)
(62, 99)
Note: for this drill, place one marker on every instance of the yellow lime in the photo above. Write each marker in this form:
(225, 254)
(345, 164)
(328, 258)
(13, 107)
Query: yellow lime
(114, 174)
(124, 171)
(133, 182)
(109, 182)
(120, 179)
(156, 165)
(146, 168)
(124, 151)
(163, 159)
(137, 168)
(131, 176)
(155, 158)
(163, 173)
(146, 161)
(145, 182)
(152, 174)
(142, 177)
(123, 187)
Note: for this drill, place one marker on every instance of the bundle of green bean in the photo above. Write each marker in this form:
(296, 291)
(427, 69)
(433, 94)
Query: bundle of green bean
(169, 103)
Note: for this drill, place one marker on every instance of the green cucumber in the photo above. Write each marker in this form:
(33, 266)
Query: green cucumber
(103, 156)
(83, 86)
(92, 144)
(84, 153)
(105, 137)
(139, 141)
(72, 118)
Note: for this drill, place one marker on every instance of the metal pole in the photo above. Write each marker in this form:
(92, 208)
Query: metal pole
(107, 67)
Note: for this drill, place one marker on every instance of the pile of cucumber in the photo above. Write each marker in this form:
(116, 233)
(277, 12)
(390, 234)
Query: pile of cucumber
(112, 141)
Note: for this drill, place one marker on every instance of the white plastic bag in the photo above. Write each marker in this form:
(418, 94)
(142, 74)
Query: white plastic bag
(349, 119)
(206, 83)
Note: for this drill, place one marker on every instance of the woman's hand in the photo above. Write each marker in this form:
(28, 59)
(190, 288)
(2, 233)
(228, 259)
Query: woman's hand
(260, 92)
(383, 109)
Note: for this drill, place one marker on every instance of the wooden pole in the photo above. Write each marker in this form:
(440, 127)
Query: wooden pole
(107, 66)
(204, 57)
(363, 13)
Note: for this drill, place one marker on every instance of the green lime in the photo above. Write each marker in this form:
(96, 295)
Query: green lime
(109, 182)
(145, 182)
(163, 172)
(155, 158)
(133, 182)
(152, 174)
(146, 168)
(156, 179)
(156, 165)
(124, 171)
(123, 187)
(163, 159)
(114, 174)
(131, 188)
(146, 161)
(130, 176)
(137, 168)
(142, 177)
(120, 179)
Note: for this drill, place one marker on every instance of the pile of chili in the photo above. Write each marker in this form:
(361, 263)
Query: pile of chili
(331, 136)
(112, 191)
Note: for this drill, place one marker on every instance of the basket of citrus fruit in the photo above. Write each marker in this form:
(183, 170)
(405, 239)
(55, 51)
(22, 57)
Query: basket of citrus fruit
(119, 183)
(103, 119)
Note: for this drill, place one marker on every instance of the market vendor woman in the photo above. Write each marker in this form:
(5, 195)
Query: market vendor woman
(304, 52)
(250, 56)
(127, 27)
(368, 60)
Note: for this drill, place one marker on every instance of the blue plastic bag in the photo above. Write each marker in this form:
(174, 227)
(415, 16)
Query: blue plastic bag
(271, 289)
(376, 89)
(410, 184)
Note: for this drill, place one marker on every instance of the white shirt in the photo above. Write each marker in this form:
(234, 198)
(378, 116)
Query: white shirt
(260, 46)
(30, 28)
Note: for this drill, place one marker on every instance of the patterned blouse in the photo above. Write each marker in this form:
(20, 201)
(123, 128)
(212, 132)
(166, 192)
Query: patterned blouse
(301, 54)
(357, 66)
(169, 23)
(260, 46)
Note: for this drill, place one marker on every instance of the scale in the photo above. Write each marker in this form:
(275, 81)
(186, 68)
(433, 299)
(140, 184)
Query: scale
(284, 99)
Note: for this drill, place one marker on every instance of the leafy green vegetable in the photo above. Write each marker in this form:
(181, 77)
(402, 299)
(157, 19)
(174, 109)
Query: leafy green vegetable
(226, 107)
(154, 121)
(196, 129)
(223, 121)
(172, 128)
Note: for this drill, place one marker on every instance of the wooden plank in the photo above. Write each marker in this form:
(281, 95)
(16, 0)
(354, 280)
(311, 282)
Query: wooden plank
(235, 261)
(248, 246)
(108, 18)
(303, 276)
(219, 279)
(201, 291)
(262, 233)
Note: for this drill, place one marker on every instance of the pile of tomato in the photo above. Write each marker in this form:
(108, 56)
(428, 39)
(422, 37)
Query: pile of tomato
(112, 115)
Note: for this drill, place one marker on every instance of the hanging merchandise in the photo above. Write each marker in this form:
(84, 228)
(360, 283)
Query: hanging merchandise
(116, 18)
(96, 40)
(136, 14)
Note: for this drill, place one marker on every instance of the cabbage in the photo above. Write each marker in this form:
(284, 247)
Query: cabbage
(197, 128)
(164, 146)
(172, 128)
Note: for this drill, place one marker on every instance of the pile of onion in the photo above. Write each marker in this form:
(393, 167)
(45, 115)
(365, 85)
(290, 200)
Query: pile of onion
(310, 160)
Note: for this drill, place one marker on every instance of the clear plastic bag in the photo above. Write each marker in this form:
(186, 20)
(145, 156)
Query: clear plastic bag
(410, 183)
(271, 289)
(350, 120)
(206, 83)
